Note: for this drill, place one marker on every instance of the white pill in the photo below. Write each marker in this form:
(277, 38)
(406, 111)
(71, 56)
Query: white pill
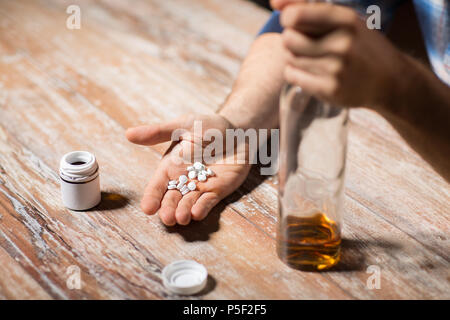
(198, 166)
(183, 188)
(191, 186)
(183, 179)
(203, 172)
(171, 186)
(190, 168)
(209, 172)
(174, 182)
(192, 174)
(180, 185)
(201, 177)
(185, 191)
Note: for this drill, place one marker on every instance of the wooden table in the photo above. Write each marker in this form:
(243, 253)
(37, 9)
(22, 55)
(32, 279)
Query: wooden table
(137, 62)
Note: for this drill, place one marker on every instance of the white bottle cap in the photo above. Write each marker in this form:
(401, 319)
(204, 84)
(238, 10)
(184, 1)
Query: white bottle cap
(80, 182)
(185, 277)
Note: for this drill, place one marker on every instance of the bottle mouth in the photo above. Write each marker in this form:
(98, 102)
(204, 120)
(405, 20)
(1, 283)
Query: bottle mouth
(78, 166)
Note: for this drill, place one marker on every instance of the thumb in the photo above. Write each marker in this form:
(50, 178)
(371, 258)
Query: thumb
(153, 134)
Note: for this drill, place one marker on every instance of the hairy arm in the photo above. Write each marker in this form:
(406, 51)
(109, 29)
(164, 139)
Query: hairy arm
(253, 101)
(252, 104)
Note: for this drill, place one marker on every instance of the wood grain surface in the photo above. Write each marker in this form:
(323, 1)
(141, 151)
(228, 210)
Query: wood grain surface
(138, 62)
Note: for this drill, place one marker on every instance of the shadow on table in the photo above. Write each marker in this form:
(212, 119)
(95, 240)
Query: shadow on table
(210, 286)
(111, 201)
(353, 256)
(200, 230)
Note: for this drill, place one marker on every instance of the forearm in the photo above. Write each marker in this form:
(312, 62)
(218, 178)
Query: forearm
(419, 109)
(253, 101)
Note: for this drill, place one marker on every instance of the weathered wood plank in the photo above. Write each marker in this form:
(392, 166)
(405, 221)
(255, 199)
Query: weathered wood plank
(397, 185)
(15, 282)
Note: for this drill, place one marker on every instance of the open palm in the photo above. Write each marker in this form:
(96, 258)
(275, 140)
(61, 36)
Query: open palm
(173, 207)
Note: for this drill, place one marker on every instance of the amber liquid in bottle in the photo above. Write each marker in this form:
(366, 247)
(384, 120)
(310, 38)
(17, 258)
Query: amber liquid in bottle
(309, 243)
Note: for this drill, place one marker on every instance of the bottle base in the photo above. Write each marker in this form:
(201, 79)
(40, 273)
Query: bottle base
(310, 261)
(309, 244)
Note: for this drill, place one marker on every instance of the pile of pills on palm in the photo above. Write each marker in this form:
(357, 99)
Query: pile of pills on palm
(196, 171)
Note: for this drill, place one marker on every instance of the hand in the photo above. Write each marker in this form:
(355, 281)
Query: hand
(173, 207)
(333, 55)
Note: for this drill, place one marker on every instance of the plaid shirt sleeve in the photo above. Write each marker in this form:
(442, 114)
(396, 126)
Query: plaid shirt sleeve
(434, 19)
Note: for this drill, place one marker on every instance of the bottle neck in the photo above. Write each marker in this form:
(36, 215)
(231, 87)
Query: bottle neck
(78, 166)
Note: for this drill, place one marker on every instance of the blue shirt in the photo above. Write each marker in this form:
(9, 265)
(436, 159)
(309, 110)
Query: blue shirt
(434, 20)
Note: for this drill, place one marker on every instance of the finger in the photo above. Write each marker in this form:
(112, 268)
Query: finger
(301, 44)
(313, 84)
(337, 42)
(154, 191)
(280, 4)
(327, 65)
(203, 205)
(183, 212)
(153, 134)
(317, 17)
(168, 207)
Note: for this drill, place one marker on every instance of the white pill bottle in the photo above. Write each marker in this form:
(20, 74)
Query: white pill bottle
(80, 180)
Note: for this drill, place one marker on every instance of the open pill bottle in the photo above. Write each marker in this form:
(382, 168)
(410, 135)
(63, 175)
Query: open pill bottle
(80, 181)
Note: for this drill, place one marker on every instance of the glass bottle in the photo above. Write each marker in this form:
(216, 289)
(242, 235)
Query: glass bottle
(313, 143)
